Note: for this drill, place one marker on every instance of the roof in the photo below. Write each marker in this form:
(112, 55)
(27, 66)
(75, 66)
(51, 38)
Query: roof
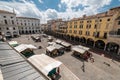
(44, 63)
(58, 41)
(83, 47)
(14, 67)
(13, 42)
(66, 44)
(23, 47)
(79, 50)
(51, 48)
(51, 43)
(7, 12)
(27, 18)
(57, 46)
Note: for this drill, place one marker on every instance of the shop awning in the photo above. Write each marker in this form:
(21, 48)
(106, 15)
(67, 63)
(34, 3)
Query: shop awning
(23, 47)
(83, 47)
(79, 50)
(51, 48)
(57, 46)
(13, 43)
(44, 63)
(58, 41)
(51, 43)
(66, 44)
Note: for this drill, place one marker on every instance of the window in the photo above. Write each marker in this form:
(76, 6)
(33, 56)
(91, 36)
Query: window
(11, 17)
(100, 20)
(0, 28)
(5, 21)
(25, 24)
(108, 19)
(7, 28)
(89, 26)
(95, 27)
(4, 16)
(13, 28)
(105, 35)
(87, 33)
(118, 22)
(75, 26)
(70, 31)
(70, 26)
(80, 32)
(75, 31)
(12, 22)
(97, 34)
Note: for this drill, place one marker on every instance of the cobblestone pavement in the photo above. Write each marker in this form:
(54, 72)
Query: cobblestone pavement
(99, 70)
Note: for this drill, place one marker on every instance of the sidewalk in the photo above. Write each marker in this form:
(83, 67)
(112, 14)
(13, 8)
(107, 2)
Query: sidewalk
(66, 74)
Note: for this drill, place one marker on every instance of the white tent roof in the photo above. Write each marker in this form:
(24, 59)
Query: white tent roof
(51, 43)
(83, 47)
(57, 46)
(23, 47)
(58, 41)
(51, 48)
(79, 50)
(13, 42)
(44, 63)
(66, 44)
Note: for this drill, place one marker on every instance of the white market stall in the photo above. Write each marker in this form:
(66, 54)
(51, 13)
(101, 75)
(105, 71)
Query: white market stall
(60, 48)
(51, 43)
(13, 43)
(83, 47)
(26, 49)
(45, 64)
(58, 41)
(66, 45)
(77, 51)
(51, 50)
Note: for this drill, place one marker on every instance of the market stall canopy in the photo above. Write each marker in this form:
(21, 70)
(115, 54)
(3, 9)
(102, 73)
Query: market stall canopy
(13, 43)
(79, 50)
(51, 48)
(66, 44)
(51, 43)
(57, 46)
(83, 47)
(23, 47)
(58, 41)
(44, 63)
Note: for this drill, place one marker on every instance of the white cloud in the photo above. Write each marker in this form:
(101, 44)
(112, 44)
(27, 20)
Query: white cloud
(40, 1)
(59, 5)
(29, 9)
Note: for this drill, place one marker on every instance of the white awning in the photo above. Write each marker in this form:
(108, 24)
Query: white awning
(66, 44)
(79, 50)
(13, 42)
(83, 47)
(51, 43)
(51, 48)
(44, 63)
(57, 46)
(58, 41)
(23, 47)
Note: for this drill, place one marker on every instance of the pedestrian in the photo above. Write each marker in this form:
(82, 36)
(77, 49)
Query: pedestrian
(83, 67)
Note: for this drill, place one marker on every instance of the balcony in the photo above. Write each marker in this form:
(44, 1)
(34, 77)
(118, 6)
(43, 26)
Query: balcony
(115, 34)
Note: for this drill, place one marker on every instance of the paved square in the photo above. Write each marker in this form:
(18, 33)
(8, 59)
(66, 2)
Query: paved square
(93, 71)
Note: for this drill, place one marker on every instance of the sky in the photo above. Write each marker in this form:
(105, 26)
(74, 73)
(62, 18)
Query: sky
(54, 9)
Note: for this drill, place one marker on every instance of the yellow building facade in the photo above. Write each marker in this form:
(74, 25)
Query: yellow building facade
(92, 30)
